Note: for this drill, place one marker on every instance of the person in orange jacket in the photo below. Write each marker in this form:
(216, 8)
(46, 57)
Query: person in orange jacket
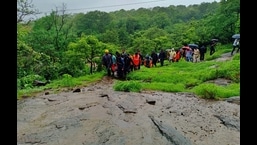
(136, 61)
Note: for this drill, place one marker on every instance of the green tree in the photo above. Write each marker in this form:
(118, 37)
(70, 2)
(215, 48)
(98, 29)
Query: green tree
(84, 50)
(92, 23)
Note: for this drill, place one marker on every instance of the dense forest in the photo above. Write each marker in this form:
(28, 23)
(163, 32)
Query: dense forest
(61, 43)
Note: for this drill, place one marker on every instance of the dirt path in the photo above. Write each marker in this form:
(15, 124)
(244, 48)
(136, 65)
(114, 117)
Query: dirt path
(98, 115)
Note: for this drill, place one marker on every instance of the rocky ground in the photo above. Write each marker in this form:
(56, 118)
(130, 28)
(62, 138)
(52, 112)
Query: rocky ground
(98, 115)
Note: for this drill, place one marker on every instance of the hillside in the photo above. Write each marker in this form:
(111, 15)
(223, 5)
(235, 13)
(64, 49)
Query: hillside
(99, 115)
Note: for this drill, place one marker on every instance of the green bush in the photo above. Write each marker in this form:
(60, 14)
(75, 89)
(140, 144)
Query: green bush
(207, 91)
(213, 91)
(67, 80)
(27, 81)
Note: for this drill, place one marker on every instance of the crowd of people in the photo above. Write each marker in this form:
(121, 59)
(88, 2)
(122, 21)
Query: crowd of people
(120, 64)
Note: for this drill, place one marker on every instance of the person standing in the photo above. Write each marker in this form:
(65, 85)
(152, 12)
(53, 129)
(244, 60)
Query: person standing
(178, 55)
(120, 65)
(162, 56)
(189, 54)
(141, 58)
(196, 55)
(172, 55)
(107, 61)
(127, 62)
(212, 48)
(131, 63)
(114, 64)
(154, 57)
(202, 52)
(236, 44)
(136, 61)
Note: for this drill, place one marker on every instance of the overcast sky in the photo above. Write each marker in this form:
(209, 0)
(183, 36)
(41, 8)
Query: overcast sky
(76, 6)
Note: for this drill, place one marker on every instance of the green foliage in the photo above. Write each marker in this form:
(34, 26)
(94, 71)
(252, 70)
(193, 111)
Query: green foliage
(127, 86)
(212, 91)
(27, 81)
(74, 63)
(230, 70)
(236, 57)
(163, 86)
(208, 91)
(67, 80)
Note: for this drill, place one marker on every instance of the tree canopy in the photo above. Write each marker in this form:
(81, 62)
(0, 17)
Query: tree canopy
(61, 43)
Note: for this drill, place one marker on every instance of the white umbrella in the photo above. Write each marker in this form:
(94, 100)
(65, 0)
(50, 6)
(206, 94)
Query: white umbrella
(236, 36)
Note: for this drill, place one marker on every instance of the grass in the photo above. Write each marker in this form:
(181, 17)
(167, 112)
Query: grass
(190, 77)
(172, 77)
(65, 82)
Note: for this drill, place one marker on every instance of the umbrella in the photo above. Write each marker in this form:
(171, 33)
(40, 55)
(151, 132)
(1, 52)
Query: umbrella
(193, 45)
(236, 36)
(215, 40)
(186, 48)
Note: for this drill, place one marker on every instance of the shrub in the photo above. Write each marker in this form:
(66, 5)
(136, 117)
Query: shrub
(27, 81)
(127, 86)
(207, 91)
(67, 80)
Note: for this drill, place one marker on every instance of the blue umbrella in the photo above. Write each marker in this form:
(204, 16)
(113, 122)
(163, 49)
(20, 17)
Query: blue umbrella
(236, 36)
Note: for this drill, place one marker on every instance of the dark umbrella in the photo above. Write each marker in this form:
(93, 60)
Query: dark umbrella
(193, 45)
(236, 36)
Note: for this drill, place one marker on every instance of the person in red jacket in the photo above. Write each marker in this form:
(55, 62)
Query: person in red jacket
(177, 56)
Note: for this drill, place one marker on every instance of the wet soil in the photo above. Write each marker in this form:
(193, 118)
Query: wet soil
(98, 115)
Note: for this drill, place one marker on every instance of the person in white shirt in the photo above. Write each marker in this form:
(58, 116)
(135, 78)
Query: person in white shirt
(236, 44)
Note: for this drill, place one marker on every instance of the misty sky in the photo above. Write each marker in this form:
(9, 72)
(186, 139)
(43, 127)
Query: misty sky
(76, 6)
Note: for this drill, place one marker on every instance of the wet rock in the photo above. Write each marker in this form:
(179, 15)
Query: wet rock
(77, 90)
(229, 121)
(127, 107)
(86, 118)
(151, 102)
(235, 100)
(40, 83)
(82, 107)
(91, 89)
(170, 133)
(104, 95)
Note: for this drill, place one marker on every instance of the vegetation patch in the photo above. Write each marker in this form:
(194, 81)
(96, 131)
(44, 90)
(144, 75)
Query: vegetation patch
(127, 86)
(212, 91)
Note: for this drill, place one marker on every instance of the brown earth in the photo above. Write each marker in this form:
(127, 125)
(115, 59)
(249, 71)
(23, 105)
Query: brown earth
(98, 115)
